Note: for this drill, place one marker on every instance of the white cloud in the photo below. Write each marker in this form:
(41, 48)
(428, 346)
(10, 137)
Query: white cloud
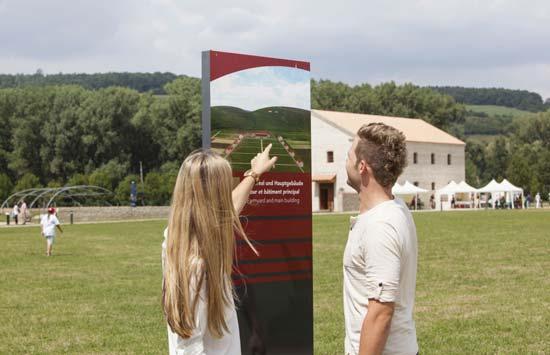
(440, 42)
(256, 88)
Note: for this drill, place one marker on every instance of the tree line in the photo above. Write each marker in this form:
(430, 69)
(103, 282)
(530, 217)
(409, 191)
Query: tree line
(155, 82)
(520, 99)
(55, 135)
(522, 156)
(141, 82)
(388, 99)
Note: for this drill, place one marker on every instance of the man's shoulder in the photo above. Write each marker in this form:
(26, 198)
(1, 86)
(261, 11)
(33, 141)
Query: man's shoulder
(393, 221)
(394, 211)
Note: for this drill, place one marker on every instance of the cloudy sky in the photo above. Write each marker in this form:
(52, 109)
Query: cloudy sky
(256, 88)
(490, 43)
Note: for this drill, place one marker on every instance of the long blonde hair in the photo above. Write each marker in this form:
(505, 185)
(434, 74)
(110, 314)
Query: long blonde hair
(200, 244)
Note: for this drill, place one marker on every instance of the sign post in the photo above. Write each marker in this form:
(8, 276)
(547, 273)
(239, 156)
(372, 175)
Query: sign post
(248, 103)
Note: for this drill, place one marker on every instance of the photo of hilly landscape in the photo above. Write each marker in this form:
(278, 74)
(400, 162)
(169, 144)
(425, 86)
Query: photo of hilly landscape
(240, 134)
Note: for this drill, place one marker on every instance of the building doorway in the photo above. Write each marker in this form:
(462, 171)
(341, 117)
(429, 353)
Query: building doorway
(326, 196)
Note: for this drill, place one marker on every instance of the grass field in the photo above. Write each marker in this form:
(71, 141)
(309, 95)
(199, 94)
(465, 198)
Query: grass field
(483, 138)
(483, 286)
(499, 110)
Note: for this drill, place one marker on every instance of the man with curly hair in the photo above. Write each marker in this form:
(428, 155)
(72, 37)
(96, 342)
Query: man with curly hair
(380, 258)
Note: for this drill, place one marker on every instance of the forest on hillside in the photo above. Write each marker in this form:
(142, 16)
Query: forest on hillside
(67, 133)
(520, 99)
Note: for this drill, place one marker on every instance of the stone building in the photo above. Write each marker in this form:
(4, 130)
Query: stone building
(434, 156)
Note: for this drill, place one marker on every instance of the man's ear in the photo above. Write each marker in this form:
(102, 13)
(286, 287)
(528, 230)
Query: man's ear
(362, 167)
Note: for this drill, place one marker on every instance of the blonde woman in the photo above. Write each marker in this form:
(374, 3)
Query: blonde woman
(198, 253)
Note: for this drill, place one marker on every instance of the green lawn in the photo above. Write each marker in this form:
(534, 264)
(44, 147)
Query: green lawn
(482, 288)
(483, 138)
(499, 110)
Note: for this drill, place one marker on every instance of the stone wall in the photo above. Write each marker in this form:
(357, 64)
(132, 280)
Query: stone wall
(440, 173)
(350, 202)
(115, 213)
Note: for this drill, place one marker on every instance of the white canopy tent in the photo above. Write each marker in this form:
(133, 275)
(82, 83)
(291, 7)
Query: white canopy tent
(407, 186)
(512, 190)
(451, 189)
(505, 187)
(408, 189)
(464, 187)
(397, 189)
(447, 190)
(492, 186)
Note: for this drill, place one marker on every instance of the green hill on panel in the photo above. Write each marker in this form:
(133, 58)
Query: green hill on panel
(230, 117)
(276, 119)
(283, 119)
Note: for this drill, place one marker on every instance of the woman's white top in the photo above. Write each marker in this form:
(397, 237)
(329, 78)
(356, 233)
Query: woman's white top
(202, 341)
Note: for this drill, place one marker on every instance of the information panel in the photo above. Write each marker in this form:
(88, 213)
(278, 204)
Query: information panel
(249, 102)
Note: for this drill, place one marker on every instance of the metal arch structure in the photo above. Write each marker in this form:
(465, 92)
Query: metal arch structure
(86, 191)
(23, 194)
(40, 195)
(51, 194)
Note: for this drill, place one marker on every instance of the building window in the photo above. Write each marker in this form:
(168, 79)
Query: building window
(432, 157)
(448, 159)
(415, 158)
(433, 185)
(415, 183)
(330, 157)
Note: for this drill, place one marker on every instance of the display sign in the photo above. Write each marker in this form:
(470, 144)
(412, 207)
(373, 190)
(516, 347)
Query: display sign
(248, 103)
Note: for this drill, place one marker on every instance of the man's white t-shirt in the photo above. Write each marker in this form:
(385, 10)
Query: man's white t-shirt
(380, 263)
(202, 342)
(48, 225)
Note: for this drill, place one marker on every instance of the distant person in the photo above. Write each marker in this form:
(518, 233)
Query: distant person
(24, 212)
(198, 253)
(380, 258)
(537, 200)
(432, 202)
(413, 203)
(15, 213)
(522, 201)
(49, 223)
(508, 199)
(528, 200)
(476, 201)
(133, 194)
(453, 201)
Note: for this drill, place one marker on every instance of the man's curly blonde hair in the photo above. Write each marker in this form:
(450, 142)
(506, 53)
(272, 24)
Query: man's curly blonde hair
(384, 149)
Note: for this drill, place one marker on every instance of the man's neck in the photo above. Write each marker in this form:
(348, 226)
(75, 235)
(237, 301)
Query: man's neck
(371, 196)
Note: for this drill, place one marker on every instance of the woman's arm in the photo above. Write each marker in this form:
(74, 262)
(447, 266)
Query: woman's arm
(260, 164)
